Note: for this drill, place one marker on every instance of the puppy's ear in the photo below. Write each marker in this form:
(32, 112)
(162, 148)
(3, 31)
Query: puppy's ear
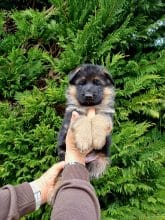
(109, 77)
(72, 75)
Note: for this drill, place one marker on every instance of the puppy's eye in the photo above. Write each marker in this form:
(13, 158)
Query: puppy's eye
(82, 82)
(97, 82)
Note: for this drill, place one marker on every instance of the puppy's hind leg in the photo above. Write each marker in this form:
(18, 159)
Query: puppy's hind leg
(97, 167)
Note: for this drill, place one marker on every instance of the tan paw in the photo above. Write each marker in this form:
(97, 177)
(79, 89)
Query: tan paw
(82, 131)
(101, 127)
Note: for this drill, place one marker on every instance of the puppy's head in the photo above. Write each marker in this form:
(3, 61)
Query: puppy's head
(90, 81)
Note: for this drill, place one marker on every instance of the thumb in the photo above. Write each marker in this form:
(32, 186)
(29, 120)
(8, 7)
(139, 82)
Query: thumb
(58, 166)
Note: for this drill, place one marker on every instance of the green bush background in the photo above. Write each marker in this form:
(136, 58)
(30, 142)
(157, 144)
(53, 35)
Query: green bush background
(40, 42)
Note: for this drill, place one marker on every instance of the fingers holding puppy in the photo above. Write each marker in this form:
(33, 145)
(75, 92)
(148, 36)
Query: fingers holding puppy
(78, 140)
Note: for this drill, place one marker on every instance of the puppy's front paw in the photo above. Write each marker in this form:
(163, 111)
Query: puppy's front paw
(101, 126)
(82, 131)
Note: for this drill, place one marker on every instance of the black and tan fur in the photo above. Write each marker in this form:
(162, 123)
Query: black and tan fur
(90, 85)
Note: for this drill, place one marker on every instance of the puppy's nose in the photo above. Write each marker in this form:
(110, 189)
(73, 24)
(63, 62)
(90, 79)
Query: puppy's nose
(89, 95)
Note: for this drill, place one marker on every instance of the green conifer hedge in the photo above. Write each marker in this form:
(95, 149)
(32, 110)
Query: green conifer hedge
(40, 42)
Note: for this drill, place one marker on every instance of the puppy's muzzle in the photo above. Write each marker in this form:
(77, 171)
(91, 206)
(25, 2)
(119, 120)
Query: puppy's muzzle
(89, 98)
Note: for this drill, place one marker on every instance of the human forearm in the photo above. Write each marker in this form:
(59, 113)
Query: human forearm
(75, 199)
(16, 201)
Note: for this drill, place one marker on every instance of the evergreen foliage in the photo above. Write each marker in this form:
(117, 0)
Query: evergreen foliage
(38, 47)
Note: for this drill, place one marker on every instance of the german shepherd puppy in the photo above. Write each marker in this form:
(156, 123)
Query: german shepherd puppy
(90, 85)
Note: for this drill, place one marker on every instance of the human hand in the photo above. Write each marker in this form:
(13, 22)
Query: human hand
(46, 183)
(73, 154)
